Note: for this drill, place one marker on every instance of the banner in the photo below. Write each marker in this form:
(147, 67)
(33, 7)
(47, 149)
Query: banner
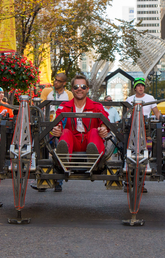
(45, 67)
(7, 27)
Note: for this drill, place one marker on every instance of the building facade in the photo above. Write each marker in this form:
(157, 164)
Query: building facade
(128, 13)
(86, 62)
(149, 12)
(163, 19)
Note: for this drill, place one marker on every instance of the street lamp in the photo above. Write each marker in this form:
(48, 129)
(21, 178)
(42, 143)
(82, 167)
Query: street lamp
(154, 75)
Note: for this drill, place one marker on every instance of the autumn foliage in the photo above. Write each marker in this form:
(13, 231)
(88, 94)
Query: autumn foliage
(71, 28)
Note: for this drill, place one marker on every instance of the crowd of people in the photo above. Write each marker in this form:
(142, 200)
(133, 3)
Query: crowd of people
(82, 134)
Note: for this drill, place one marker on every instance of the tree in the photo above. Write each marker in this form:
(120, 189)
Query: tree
(72, 28)
(155, 87)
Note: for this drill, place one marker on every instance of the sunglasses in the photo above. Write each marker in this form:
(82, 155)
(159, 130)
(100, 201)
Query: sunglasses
(139, 79)
(83, 86)
(58, 80)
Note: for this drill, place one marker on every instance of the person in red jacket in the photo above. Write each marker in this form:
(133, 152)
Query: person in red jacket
(81, 134)
(4, 110)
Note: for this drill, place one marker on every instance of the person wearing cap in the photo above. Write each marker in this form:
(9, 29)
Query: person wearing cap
(4, 110)
(139, 87)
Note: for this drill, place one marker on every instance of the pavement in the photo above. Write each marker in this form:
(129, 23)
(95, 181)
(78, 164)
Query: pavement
(85, 220)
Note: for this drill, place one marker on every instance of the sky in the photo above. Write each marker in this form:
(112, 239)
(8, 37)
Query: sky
(116, 10)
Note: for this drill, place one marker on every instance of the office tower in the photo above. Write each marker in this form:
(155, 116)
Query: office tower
(149, 12)
(163, 19)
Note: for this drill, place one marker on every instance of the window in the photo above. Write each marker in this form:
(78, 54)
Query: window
(147, 12)
(146, 0)
(147, 18)
(147, 6)
(84, 66)
(150, 25)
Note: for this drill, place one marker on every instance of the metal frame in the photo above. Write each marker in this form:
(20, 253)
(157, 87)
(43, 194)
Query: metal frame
(44, 169)
(151, 49)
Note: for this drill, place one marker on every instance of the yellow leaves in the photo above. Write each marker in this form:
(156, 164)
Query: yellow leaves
(71, 25)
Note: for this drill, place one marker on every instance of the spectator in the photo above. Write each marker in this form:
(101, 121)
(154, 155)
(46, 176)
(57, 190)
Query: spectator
(58, 92)
(4, 110)
(140, 95)
(113, 114)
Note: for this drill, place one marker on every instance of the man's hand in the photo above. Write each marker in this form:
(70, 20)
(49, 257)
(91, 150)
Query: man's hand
(57, 131)
(156, 112)
(103, 132)
(3, 112)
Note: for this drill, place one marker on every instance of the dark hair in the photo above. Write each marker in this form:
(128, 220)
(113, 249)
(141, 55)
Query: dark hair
(5, 99)
(63, 76)
(79, 76)
(108, 96)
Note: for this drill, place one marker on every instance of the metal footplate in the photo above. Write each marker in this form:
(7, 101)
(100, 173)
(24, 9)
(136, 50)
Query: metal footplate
(137, 159)
(19, 219)
(133, 221)
(78, 161)
(20, 155)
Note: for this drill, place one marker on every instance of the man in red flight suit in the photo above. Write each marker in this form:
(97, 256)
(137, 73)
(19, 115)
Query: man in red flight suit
(81, 134)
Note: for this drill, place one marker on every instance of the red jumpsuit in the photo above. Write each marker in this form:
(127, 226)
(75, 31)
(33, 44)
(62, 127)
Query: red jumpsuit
(76, 140)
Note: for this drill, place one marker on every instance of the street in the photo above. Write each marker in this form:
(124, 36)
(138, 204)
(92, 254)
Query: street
(85, 220)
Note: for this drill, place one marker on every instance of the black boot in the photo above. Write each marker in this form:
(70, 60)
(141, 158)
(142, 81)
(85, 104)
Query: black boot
(34, 186)
(58, 188)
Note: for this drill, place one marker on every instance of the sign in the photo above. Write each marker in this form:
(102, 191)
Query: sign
(7, 27)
